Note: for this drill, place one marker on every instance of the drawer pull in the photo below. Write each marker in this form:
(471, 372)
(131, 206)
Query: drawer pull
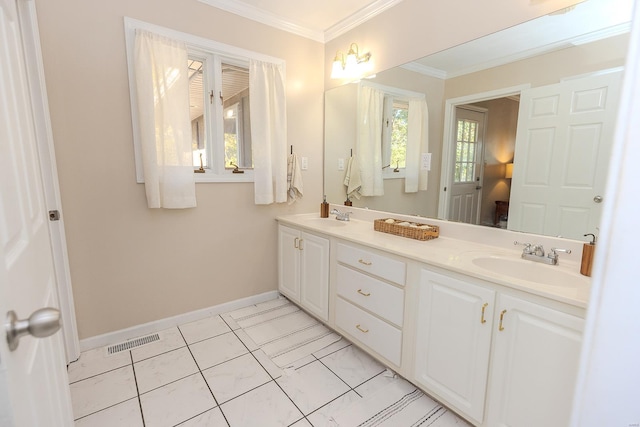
(500, 327)
(362, 293)
(361, 261)
(295, 242)
(300, 244)
(362, 330)
(484, 307)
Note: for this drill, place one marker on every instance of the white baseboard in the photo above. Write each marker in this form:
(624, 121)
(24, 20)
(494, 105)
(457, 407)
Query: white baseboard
(170, 322)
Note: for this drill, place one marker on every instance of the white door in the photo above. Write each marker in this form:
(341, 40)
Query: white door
(314, 274)
(562, 153)
(533, 366)
(466, 189)
(33, 380)
(453, 341)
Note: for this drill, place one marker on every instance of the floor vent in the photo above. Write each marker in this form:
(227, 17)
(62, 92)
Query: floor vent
(128, 345)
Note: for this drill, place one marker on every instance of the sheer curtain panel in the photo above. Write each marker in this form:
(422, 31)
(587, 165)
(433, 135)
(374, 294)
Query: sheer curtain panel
(417, 143)
(369, 140)
(268, 131)
(162, 89)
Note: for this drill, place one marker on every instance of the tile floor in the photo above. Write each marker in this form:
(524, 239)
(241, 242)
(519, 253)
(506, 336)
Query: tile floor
(209, 373)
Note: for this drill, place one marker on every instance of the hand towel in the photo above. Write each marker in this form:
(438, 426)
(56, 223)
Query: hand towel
(352, 179)
(294, 179)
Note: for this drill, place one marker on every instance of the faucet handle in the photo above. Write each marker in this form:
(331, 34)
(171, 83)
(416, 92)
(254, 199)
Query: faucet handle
(527, 246)
(554, 251)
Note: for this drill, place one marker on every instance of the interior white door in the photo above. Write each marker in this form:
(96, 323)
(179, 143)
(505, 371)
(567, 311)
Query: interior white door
(563, 145)
(33, 376)
(466, 188)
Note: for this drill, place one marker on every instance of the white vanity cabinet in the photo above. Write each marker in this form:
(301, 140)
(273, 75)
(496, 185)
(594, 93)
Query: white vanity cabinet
(534, 364)
(303, 269)
(369, 303)
(453, 341)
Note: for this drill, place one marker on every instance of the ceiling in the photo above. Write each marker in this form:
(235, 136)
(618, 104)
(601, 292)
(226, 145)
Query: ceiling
(320, 21)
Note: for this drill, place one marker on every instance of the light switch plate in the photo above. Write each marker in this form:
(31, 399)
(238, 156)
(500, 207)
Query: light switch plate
(305, 163)
(340, 164)
(425, 162)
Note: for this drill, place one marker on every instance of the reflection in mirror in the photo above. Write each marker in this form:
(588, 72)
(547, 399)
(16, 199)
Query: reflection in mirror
(489, 76)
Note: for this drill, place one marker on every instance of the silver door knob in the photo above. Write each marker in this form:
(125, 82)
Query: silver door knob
(597, 199)
(41, 324)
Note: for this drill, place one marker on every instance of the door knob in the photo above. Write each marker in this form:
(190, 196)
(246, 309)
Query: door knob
(41, 324)
(597, 199)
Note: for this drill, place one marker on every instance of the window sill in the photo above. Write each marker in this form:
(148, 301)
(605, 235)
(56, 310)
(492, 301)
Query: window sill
(227, 176)
(393, 175)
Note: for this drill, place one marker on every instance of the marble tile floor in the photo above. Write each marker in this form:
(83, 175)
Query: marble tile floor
(209, 373)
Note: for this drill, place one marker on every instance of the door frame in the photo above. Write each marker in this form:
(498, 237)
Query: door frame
(46, 154)
(448, 152)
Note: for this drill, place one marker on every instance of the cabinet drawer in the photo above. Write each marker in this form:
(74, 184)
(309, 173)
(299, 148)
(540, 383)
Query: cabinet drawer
(376, 334)
(373, 263)
(378, 297)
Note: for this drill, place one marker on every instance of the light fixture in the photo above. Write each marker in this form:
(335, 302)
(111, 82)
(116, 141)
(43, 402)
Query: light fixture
(354, 66)
(508, 170)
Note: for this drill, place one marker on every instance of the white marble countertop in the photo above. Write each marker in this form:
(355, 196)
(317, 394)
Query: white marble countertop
(457, 254)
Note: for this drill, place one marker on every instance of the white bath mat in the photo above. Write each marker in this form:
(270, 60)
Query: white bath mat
(283, 331)
(398, 404)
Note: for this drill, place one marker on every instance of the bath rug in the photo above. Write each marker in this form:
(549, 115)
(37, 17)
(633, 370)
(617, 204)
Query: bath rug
(283, 331)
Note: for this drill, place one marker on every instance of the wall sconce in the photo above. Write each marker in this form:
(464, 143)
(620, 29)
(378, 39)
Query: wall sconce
(354, 66)
(508, 170)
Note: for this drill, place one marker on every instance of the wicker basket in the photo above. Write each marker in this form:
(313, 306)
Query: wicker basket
(418, 233)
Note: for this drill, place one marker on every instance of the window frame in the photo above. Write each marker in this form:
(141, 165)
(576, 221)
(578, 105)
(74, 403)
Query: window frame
(197, 47)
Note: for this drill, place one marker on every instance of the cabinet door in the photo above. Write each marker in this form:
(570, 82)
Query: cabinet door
(289, 262)
(454, 340)
(314, 274)
(534, 365)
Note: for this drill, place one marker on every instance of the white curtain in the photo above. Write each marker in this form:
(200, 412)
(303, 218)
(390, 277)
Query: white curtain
(369, 140)
(268, 131)
(417, 143)
(162, 85)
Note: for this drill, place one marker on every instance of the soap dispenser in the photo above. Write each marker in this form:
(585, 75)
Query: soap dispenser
(324, 208)
(587, 255)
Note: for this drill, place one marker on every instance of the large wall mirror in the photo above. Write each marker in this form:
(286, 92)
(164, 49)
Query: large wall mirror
(520, 124)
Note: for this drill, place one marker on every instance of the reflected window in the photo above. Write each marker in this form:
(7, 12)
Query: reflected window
(395, 132)
(466, 147)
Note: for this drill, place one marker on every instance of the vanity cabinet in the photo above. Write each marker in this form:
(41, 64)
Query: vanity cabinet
(534, 365)
(478, 347)
(453, 341)
(369, 303)
(303, 269)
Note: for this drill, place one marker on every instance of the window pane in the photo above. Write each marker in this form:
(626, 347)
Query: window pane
(237, 121)
(196, 112)
(399, 135)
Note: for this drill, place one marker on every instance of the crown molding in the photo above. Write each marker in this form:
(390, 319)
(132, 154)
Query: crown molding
(267, 18)
(360, 17)
(277, 21)
(427, 71)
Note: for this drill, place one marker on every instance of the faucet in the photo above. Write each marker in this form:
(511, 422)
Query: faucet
(536, 253)
(340, 216)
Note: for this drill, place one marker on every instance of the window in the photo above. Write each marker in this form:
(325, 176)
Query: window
(218, 105)
(394, 138)
(466, 143)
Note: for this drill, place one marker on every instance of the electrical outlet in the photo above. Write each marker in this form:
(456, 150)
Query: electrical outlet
(305, 163)
(340, 164)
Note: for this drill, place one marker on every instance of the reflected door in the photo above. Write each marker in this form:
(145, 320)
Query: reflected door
(563, 145)
(466, 189)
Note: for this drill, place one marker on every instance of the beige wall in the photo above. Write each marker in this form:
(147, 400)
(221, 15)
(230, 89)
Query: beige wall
(130, 264)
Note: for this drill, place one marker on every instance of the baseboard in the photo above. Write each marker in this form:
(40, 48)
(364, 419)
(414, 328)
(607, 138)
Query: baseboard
(170, 322)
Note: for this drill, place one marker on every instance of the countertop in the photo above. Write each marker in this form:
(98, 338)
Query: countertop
(457, 254)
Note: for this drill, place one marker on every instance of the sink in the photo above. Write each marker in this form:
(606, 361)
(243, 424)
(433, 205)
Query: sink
(327, 222)
(527, 270)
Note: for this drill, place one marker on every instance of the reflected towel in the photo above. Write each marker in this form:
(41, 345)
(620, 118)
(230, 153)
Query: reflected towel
(352, 179)
(294, 179)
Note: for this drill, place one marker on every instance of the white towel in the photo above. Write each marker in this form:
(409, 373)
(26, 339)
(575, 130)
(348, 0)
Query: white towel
(294, 179)
(352, 179)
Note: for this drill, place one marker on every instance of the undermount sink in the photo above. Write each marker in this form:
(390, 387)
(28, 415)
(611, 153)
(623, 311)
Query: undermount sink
(327, 222)
(527, 270)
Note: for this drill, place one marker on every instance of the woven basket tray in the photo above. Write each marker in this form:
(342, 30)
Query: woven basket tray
(405, 230)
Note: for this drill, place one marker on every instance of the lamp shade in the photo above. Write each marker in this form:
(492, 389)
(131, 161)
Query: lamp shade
(508, 170)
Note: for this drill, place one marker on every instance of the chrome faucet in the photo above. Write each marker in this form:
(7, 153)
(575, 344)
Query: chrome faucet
(340, 216)
(536, 253)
